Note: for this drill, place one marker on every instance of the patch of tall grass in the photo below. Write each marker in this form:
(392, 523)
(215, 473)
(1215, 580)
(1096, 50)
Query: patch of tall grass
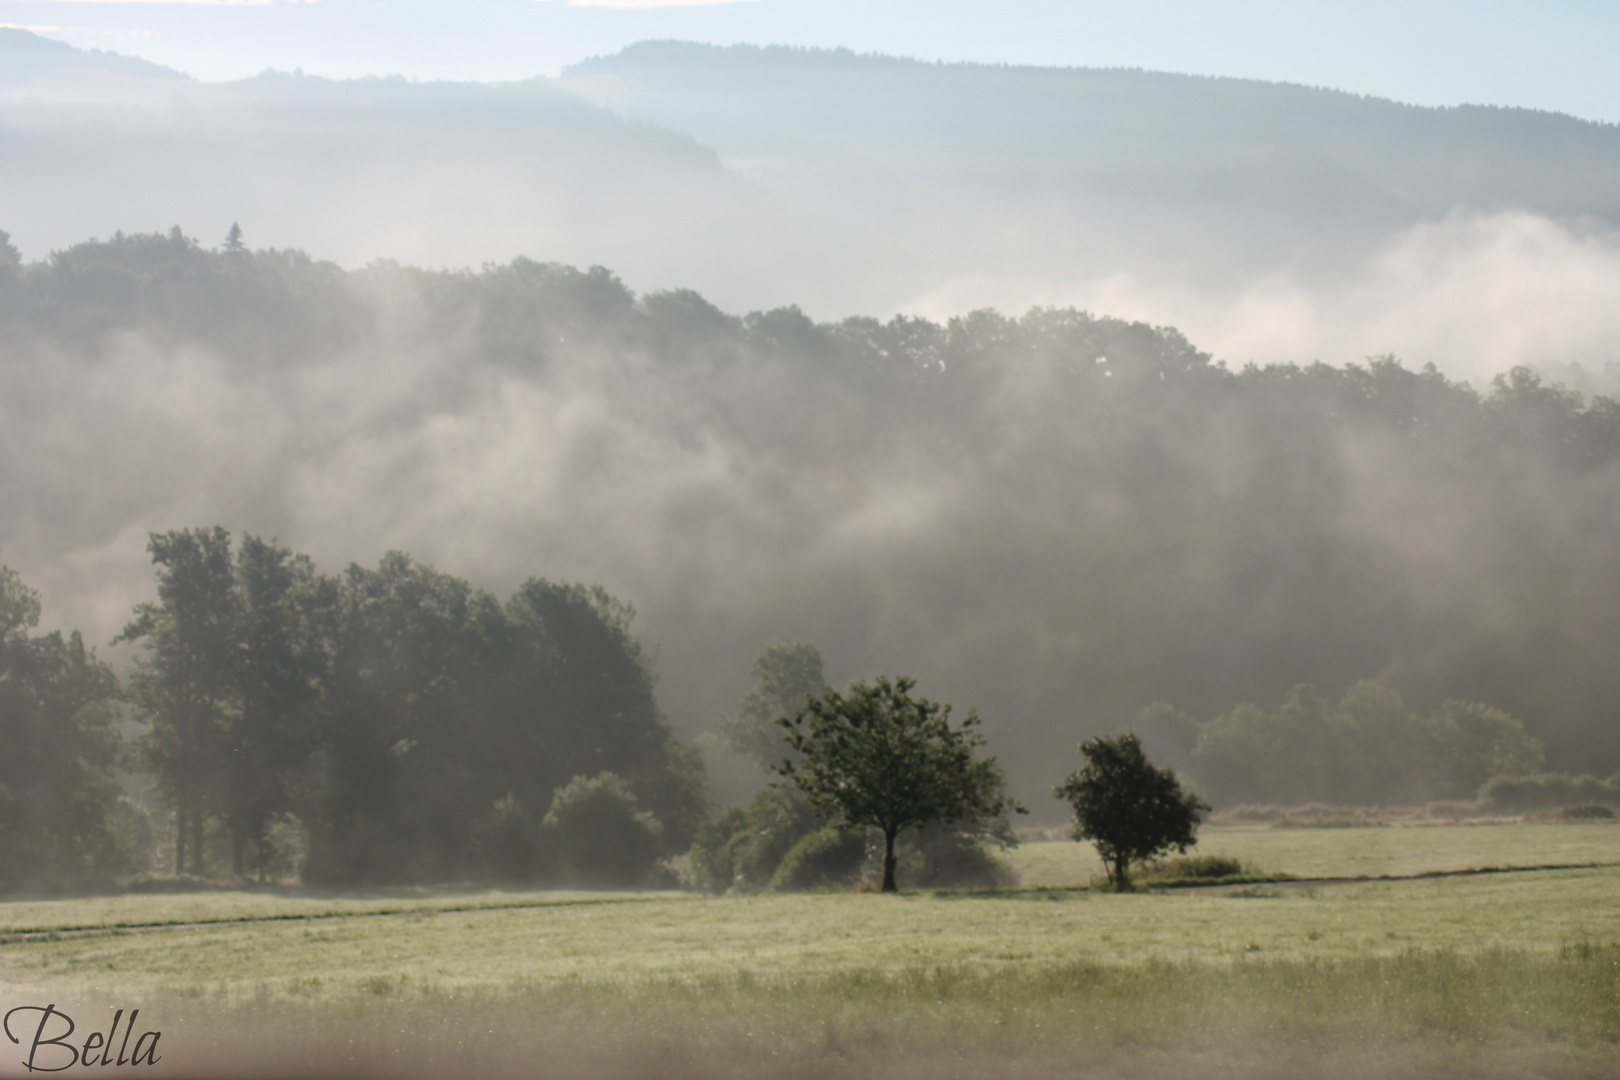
(1552, 1014)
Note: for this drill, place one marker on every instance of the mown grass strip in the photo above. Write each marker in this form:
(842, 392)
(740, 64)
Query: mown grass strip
(1185, 884)
(21, 934)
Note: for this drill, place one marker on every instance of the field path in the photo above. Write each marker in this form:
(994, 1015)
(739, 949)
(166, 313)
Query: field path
(1304, 883)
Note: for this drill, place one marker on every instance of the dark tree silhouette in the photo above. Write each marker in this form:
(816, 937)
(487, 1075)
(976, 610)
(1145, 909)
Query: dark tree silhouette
(183, 686)
(58, 746)
(1127, 807)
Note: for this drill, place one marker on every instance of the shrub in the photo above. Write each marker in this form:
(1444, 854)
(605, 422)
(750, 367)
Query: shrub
(507, 841)
(827, 858)
(1247, 814)
(1194, 867)
(1319, 816)
(1547, 791)
(1586, 812)
(710, 863)
(742, 850)
(596, 835)
(942, 857)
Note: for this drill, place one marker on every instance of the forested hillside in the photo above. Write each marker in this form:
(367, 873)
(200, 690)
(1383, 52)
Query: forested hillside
(434, 173)
(1267, 221)
(1062, 173)
(1054, 518)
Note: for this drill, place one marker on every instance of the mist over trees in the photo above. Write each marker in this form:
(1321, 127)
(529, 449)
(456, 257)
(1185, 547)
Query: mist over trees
(1057, 518)
(1366, 749)
(786, 674)
(417, 728)
(435, 173)
(1005, 183)
(1266, 221)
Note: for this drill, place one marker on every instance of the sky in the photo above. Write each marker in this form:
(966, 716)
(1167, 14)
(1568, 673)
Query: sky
(1554, 55)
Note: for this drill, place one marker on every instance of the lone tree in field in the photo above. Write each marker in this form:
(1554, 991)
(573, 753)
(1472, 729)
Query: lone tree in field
(1127, 807)
(875, 756)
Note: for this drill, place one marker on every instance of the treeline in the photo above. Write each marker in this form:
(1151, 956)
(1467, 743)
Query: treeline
(59, 745)
(1054, 516)
(1367, 749)
(412, 727)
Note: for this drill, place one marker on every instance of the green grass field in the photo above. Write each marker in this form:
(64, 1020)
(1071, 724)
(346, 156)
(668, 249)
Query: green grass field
(1362, 852)
(1500, 974)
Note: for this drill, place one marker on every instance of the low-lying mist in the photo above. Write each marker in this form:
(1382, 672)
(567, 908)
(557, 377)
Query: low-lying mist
(1056, 519)
(1472, 293)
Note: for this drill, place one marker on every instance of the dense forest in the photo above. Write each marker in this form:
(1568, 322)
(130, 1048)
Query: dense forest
(1055, 518)
(388, 724)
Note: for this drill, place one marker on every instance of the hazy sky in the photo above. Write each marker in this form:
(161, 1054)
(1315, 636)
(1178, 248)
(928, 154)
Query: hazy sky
(1551, 54)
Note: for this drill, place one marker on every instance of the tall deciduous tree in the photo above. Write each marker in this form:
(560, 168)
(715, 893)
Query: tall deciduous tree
(1127, 807)
(875, 756)
(58, 746)
(452, 716)
(785, 673)
(184, 685)
(286, 624)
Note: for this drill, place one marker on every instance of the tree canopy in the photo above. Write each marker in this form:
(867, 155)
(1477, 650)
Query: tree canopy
(876, 756)
(1012, 482)
(785, 675)
(399, 712)
(1129, 808)
(58, 748)
(1365, 749)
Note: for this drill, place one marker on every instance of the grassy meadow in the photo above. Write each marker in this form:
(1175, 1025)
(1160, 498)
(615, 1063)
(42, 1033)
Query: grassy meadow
(1501, 974)
(1374, 851)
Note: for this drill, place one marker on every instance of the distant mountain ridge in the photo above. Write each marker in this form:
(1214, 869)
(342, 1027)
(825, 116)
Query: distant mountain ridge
(435, 173)
(766, 176)
(26, 56)
(1270, 175)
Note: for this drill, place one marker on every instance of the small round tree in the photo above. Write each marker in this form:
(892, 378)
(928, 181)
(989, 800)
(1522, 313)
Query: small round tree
(1130, 809)
(874, 756)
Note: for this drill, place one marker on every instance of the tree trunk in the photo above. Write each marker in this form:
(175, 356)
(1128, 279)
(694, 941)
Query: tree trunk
(1122, 879)
(888, 861)
(196, 842)
(180, 835)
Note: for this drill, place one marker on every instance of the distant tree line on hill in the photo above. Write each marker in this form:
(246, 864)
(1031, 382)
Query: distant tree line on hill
(397, 725)
(1082, 512)
(1367, 749)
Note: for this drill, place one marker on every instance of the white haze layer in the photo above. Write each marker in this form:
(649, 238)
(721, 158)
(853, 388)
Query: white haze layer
(1473, 294)
(594, 471)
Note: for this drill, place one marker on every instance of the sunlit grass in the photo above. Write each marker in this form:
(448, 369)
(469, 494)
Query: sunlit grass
(1370, 852)
(1419, 1012)
(662, 937)
(1485, 975)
